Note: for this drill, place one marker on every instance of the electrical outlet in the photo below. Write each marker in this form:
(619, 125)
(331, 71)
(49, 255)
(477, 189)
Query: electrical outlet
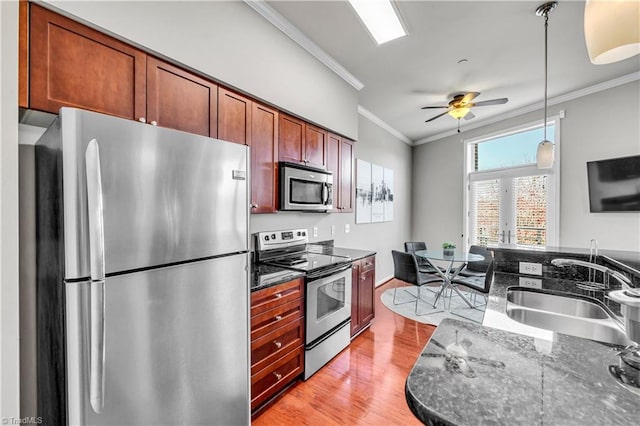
(315, 231)
(530, 282)
(531, 268)
(333, 230)
(346, 228)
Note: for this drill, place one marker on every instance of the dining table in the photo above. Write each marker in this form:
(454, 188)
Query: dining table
(448, 273)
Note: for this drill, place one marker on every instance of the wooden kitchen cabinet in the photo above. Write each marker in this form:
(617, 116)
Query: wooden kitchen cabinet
(180, 100)
(315, 146)
(340, 162)
(301, 142)
(264, 159)
(234, 117)
(73, 65)
(277, 339)
(362, 294)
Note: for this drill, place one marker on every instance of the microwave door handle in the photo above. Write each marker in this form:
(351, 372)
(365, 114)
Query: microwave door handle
(97, 260)
(325, 193)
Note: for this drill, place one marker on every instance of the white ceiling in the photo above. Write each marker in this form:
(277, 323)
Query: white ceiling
(503, 42)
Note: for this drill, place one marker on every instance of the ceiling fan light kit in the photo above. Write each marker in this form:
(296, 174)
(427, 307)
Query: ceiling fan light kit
(461, 104)
(612, 30)
(459, 112)
(545, 152)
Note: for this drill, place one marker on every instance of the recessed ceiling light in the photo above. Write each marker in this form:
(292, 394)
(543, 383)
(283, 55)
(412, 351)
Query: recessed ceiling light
(380, 18)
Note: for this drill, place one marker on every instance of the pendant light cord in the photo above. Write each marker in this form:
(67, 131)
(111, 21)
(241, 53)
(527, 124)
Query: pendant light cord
(546, 25)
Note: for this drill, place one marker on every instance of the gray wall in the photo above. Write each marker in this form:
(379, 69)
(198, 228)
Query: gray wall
(597, 126)
(379, 147)
(230, 42)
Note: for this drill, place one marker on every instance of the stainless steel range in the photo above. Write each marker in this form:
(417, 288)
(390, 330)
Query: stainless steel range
(327, 295)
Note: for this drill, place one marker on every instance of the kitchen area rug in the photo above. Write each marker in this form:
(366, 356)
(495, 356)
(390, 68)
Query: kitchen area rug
(428, 315)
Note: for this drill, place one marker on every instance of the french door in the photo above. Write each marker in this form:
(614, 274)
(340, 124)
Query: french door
(512, 206)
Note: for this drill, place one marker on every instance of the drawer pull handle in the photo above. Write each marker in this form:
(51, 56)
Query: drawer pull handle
(278, 295)
(278, 375)
(363, 278)
(278, 344)
(278, 317)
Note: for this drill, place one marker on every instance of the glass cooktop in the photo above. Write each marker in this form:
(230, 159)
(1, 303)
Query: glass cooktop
(307, 262)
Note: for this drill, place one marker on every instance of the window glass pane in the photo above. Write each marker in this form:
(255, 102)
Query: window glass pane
(530, 194)
(485, 212)
(510, 151)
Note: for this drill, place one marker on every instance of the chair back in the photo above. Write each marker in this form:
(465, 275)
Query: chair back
(405, 267)
(414, 246)
(488, 278)
(480, 265)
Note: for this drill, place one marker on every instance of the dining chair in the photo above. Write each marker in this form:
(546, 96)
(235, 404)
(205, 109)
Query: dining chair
(477, 285)
(477, 268)
(423, 264)
(405, 268)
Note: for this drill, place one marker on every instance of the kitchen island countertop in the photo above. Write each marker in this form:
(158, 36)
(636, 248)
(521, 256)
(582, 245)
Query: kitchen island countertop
(516, 374)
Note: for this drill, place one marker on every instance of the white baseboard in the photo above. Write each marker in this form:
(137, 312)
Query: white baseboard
(384, 280)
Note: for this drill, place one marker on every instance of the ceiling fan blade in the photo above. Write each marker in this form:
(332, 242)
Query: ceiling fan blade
(431, 107)
(498, 101)
(437, 116)
(469, 97)
(469, 116)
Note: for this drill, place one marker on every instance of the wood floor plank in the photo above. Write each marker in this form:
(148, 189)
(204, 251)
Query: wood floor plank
(364, 384)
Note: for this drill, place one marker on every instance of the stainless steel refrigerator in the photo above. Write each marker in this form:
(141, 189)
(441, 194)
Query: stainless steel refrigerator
(142, 275)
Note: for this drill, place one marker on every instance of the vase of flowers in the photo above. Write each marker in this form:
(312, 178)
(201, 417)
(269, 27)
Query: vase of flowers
(448, 249)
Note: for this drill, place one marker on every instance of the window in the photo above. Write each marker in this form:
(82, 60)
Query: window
(509, 200)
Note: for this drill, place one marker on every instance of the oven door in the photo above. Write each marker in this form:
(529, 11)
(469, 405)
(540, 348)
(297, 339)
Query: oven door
(328, 303)
(305, 189)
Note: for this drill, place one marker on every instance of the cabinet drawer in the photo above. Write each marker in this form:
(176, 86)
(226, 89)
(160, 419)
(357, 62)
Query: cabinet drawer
(269, 298)
(272, 319)
(368, 264)
(272, 346)
(270, 380)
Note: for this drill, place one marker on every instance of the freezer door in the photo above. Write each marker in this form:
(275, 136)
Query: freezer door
(176, 346)
(167, 196)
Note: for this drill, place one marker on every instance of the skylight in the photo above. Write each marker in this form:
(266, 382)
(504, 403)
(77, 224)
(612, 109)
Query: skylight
(380, 18)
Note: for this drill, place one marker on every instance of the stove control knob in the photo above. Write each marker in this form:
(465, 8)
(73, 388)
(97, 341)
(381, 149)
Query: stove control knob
(266, 238)
(273, 236)
(304, 234)
(299, 233)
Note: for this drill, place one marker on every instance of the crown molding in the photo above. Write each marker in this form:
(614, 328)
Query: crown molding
(377, 121)
(281, 23)
(539, 105)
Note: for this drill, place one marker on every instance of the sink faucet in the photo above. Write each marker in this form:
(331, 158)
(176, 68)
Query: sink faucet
(624, 281)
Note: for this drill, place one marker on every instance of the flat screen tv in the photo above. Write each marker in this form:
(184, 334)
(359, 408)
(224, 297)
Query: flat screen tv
(614, 184)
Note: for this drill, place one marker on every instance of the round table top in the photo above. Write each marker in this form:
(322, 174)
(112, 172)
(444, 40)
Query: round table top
(457, 256)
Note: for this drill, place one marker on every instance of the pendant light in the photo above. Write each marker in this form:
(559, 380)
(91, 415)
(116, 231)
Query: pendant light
(545, 152)
(612, 30)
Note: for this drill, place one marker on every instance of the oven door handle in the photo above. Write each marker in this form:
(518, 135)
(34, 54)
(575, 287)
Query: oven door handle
(328, 272)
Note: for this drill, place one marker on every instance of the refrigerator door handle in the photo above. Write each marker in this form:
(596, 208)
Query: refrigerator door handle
(96, 249)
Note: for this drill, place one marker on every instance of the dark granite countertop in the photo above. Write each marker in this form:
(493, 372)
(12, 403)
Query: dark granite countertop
(263, 276)
(523, 374)
(508, 378)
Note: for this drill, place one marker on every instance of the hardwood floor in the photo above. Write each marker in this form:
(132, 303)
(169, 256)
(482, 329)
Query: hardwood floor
(364, 384)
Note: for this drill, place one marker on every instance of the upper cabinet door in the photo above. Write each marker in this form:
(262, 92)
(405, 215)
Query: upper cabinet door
(180, 100)
(334, 166)
(315, 146)
(73, 65)
(264, 159)
(347, 190)
(234, 117)
(291, 139)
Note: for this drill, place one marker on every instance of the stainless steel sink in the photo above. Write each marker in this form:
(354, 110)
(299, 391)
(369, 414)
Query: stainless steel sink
(566, 313)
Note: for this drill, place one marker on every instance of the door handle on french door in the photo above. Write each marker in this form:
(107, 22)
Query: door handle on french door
(503, 236)
(97, 261)
(509, 236)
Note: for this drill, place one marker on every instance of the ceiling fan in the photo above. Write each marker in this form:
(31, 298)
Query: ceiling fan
(461, 104)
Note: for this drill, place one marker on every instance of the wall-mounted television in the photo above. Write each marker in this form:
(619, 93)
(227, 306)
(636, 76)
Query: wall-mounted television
(614, 184)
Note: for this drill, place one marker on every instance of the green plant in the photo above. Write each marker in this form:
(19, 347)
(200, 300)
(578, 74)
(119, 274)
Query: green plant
(448, 246)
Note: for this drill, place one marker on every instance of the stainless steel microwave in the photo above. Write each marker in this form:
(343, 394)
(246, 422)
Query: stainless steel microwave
(304, 188)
